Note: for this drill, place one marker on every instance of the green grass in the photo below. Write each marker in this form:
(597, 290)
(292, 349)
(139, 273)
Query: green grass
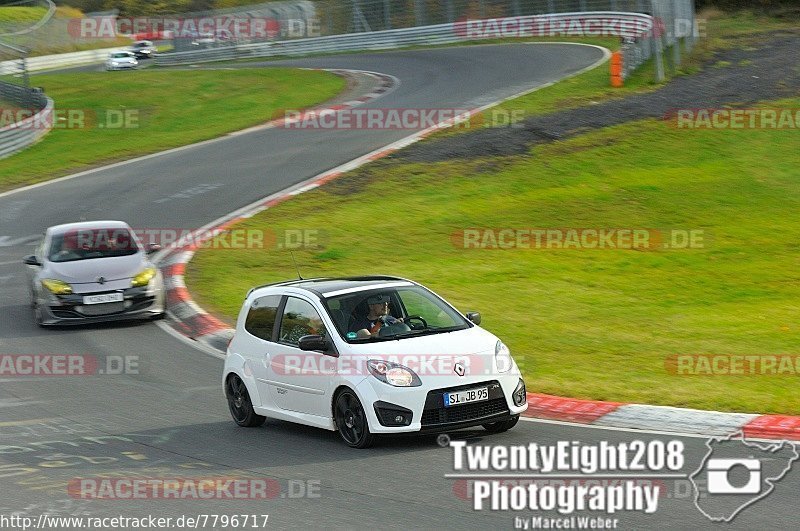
(593, 323)
(598, 324)
(21, 14)
(174, 108)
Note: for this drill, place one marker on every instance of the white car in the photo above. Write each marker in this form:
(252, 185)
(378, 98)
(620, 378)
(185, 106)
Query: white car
(367, 356)
(121, 60)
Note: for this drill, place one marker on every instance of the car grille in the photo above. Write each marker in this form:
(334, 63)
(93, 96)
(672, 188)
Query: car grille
(464, 412)
(435, 414)
(101, 309)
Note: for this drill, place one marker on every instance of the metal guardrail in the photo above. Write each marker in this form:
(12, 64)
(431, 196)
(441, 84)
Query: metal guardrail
(18, 136)
(636, 25)
(671, 25)
(47, 62)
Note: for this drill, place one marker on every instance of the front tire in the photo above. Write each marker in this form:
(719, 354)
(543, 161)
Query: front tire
(240, 405)
(351, 420)
(503, 425)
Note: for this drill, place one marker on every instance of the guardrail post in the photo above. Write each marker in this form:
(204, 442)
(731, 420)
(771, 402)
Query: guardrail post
(419, 12)
(387, 15)
(449, 13)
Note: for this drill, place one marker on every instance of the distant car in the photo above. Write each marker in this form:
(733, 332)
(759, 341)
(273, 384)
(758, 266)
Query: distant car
(143, 49)
(204, 39)
(121, 60)
(93, 271)
(313, 352)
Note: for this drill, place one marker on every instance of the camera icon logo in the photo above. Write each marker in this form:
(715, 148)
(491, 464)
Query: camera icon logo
(736, 473)
(719, 471)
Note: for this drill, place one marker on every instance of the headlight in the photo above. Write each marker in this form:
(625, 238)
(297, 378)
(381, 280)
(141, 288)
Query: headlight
(143, 278)
(502, 357)
(57, 287)
(393, 373)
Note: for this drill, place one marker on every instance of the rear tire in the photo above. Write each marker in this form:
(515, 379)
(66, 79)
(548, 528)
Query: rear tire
(240, 405)
(351, 420)
(503, 425)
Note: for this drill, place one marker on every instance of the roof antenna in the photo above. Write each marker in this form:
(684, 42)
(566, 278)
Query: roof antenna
(295, 266)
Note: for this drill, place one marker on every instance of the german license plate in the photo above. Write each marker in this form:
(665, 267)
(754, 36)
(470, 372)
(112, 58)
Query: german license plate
(465, 397)
(103, 298)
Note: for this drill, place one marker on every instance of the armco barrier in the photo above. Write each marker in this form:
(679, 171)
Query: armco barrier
(632, 26)
(17, 136)
(47, 62)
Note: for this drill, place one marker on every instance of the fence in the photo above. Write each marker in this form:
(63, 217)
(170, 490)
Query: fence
(17, 136)
(655, 27)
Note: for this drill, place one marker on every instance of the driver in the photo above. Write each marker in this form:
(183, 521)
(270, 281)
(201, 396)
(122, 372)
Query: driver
(377, 316)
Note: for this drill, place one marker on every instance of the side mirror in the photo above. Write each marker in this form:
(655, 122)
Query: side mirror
(475, 317)
(31, 261)
(314, 343)
(153, 248)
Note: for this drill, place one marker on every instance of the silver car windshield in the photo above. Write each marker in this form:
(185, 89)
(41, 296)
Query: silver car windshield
(91, 243)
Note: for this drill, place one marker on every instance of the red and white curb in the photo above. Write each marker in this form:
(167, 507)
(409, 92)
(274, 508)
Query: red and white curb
(662, 418)
(191, 321)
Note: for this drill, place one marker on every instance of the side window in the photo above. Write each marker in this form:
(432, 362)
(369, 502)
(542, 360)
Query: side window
(260, 319)
(300, 319)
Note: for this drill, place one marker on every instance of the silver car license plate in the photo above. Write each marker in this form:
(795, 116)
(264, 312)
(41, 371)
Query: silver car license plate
(103, 298)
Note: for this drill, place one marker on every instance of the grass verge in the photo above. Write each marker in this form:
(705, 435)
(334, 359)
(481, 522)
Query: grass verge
(598, 324)
(171, 108)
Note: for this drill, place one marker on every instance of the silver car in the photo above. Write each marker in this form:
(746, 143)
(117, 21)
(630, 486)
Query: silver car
(93, 271)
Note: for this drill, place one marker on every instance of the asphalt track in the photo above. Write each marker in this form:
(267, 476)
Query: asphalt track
(170, 419)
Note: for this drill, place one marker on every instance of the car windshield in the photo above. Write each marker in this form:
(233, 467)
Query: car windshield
(120, 55)
(86, 244)
(394, 313)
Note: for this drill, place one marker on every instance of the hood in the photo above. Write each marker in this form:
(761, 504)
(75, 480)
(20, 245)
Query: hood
(474, 340)
(87, 271)
(435, 358)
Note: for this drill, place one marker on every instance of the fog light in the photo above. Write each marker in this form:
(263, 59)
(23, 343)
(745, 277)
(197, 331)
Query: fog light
(519, 396)
(392, 415)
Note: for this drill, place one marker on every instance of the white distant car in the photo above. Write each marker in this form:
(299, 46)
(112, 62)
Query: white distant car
(121, 60)
(367, 356)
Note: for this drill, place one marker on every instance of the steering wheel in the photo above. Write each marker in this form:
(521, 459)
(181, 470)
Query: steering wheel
(416, 318)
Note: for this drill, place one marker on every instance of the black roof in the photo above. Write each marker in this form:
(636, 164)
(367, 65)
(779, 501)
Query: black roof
(327, 285)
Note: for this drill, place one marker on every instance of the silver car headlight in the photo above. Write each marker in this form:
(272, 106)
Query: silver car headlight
(502, 357)
(393, 373)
